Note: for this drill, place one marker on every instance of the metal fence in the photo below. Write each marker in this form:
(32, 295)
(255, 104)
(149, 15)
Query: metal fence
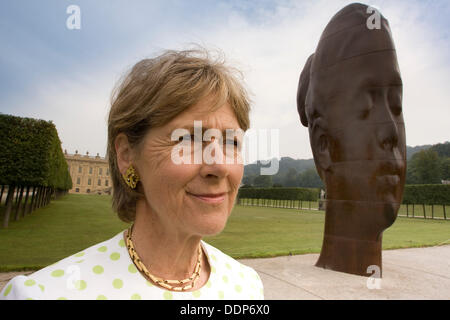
(421, 211)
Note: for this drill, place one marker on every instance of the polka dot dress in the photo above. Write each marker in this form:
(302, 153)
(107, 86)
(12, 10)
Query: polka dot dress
(106, 271)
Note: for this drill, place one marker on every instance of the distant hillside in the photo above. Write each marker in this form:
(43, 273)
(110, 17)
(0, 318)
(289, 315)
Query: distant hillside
(285, 164)
(411, 150)
(290, 168)
(442, 149)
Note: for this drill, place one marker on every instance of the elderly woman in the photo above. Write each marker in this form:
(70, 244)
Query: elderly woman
(171, 204)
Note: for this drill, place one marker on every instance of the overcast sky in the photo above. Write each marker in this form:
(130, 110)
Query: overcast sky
(50, 72)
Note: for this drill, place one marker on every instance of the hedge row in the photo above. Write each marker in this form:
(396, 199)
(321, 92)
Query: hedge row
(31, 154)
(427, 194)
(413, 194)
(304, 194)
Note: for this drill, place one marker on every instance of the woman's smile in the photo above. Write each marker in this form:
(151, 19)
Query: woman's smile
(212, 198)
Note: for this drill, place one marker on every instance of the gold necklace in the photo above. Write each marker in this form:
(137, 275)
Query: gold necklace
(164, 282)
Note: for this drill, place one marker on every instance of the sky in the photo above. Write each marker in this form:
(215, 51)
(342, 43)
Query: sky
(51, 72)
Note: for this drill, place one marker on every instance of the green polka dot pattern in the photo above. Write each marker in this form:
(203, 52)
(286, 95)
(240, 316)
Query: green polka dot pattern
(58, 273)
(106, 272)
(98, 269)
(8, 290)
(115, 256)
(117, 283)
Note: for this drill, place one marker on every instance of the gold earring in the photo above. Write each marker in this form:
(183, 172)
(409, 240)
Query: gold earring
(131, 177)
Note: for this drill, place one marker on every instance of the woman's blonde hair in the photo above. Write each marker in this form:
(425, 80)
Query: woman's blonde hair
(154, 92)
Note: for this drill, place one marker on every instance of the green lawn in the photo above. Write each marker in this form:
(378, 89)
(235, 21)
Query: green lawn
(75, 222)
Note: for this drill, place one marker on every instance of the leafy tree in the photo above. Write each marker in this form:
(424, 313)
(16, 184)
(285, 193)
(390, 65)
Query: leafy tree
(277, 185)
(290, 179)
(424, 168)
(442, 149)
(310, 179)
(263, 181)
(248, 181)
(445, 169)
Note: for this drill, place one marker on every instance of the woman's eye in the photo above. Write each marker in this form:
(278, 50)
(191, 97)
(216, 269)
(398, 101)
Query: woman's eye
(186, 137)
(234, 143)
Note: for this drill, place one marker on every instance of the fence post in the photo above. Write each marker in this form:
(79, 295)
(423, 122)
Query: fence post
(407, 213)
(413, 210)
(445, 216)
(424, 215)
(432, 211)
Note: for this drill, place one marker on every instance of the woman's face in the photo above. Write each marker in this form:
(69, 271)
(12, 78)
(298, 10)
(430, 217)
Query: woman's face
(196, 198)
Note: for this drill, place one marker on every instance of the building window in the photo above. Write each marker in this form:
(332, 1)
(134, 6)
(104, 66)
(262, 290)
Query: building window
(99, 182)
(107, 172)
(89, 181)
(80, 169)
(100, 171)
(90, 170)
(77, 190)
(78, 180)
(106, 183)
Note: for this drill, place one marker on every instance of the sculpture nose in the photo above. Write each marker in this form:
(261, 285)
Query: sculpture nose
(387, 131)
(388, 136)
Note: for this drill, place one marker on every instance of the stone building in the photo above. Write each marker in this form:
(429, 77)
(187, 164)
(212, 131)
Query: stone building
(89, 174)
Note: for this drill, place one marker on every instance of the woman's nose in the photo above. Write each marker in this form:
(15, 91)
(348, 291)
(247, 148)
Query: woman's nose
(214, 163)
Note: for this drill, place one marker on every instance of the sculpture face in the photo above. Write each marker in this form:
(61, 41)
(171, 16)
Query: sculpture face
(350, 98)
(365, 133)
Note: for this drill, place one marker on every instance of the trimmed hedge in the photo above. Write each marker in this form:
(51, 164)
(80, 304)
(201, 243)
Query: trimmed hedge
(413, 194)
(427, 194)
(304, 194)
(31, 154)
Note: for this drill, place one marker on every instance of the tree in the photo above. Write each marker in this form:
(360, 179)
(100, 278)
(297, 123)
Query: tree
(290, 179)
(248, 181)
(310, 179)
(263, 181)
(424, 168)
(445, 169)
(442, 149)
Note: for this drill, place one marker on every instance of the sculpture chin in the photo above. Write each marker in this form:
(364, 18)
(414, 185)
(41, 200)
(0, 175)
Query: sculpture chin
(390, 214)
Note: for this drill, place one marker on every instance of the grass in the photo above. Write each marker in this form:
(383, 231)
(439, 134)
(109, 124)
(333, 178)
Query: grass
(64, 227)
(75, 222)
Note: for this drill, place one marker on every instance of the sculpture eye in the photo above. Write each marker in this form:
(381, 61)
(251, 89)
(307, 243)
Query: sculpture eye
(395, 101)
(368, 104)
(396, 110)
(365, 113)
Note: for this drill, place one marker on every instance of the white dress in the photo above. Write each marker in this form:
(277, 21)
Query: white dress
(106, 271)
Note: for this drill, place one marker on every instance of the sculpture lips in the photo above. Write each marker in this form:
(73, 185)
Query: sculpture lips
(389, 169)
(389, 179)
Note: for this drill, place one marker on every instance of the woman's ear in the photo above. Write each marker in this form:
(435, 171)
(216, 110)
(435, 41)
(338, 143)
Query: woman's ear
(123, 152)
(302, 90)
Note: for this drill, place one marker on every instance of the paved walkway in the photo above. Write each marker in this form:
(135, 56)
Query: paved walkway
(416, 273)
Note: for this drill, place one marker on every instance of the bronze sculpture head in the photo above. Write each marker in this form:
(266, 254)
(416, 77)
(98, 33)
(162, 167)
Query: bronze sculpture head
(350, 98)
